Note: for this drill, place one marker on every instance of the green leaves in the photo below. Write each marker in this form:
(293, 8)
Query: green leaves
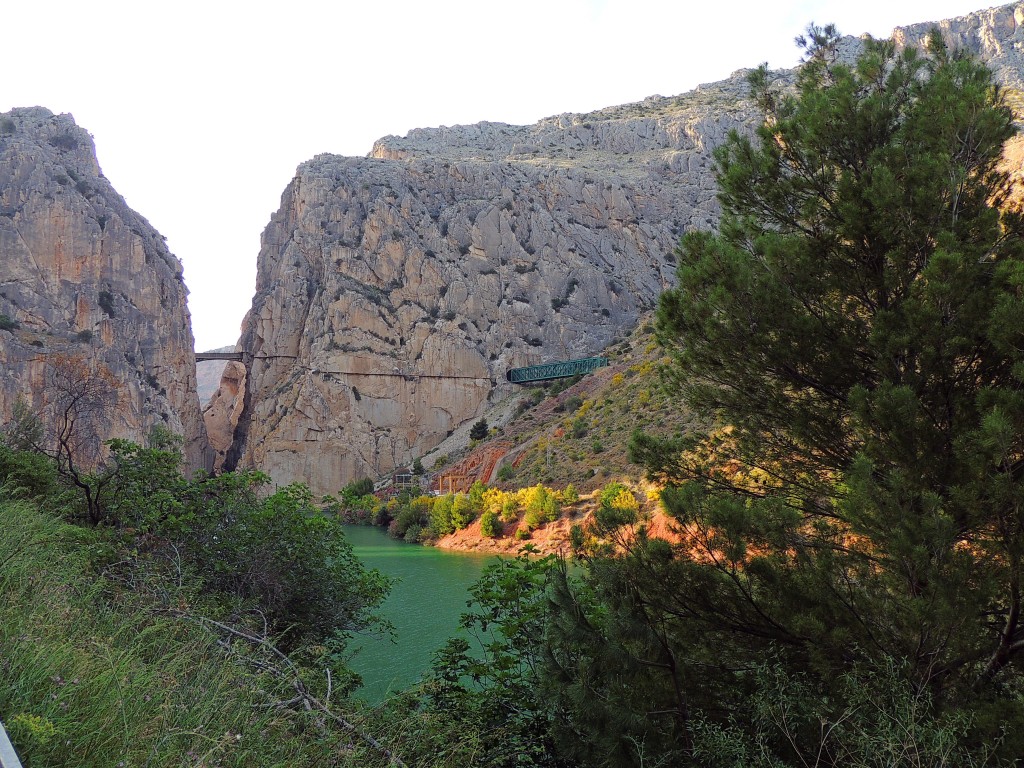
(855, 329)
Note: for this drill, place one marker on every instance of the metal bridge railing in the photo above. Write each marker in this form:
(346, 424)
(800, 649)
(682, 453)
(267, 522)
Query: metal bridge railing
(558, 370)
(8, 757)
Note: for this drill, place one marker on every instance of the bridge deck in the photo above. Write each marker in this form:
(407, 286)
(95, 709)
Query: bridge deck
(559, 370)
(200, 356)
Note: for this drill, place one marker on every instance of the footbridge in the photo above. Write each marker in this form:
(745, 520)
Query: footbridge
(200, 356)
(557, 370)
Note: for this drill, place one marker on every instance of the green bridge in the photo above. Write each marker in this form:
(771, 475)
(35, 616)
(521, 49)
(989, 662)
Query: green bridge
(558, 370)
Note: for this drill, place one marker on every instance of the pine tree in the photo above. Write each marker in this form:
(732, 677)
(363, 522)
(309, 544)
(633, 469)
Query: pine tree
(856, 330)
(479, 430)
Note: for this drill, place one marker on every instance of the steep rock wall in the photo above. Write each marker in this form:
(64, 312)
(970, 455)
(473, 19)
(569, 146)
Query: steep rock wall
(394, 291)
(84, 275)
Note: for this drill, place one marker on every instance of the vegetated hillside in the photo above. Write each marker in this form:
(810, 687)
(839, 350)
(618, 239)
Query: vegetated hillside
(578, 431)
(85, 278)
(571, 432)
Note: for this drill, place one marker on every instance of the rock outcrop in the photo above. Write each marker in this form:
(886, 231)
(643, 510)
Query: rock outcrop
(85, 276)
(223, 410)
(395, 291)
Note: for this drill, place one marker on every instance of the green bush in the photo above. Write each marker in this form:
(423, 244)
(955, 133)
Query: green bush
(278, 551)
(570, 495)
(103, 668)
(362, 486)
(479, 430)
(490, 524)
(8, 323)
(27, 475)
(415, 512)
(441, 515)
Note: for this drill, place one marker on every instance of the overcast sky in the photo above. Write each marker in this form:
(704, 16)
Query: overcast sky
(201, 111)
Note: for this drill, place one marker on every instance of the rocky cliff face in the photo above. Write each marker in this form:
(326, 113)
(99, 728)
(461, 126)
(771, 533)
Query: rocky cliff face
(83, 275)
(394, 291)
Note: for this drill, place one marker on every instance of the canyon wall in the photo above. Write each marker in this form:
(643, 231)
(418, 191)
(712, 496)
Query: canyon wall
(86, 278)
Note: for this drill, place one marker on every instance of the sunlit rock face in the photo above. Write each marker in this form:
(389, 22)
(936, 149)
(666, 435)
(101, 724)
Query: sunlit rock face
(394, 291)
(84, 276)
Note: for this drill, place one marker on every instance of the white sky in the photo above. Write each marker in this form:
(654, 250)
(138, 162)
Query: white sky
(201, 111)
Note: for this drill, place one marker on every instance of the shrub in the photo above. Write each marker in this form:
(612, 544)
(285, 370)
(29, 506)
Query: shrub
(570, 495)
(362, 486)
(462, 511)
(540, 506)
(478, 430)
(8, 323)
(506, 472)
(476, 496)
(85, 336)
(414, 513)
(509, 508)
(490, 525)
(26, 474)
(441, 515)
(617, 505)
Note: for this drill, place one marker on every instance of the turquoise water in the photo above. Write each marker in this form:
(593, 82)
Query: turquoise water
(424, 606)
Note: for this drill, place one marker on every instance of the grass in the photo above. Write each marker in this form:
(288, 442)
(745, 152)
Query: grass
(99, 669)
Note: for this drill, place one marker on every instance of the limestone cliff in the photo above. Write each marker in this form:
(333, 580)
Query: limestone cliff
(395, 291)
(84, 275)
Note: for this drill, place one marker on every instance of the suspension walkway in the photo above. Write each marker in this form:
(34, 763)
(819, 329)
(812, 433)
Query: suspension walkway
(200, 356)
(558, 370)
(546, 372)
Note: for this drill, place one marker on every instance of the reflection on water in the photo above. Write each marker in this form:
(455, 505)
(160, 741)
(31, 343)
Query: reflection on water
(424, 606)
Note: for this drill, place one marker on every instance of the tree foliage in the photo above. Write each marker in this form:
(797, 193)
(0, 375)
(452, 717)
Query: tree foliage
(855, 327)
(82, 397)
(479, 430)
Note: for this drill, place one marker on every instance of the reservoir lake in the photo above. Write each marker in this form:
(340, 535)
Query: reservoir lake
(430, 593)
